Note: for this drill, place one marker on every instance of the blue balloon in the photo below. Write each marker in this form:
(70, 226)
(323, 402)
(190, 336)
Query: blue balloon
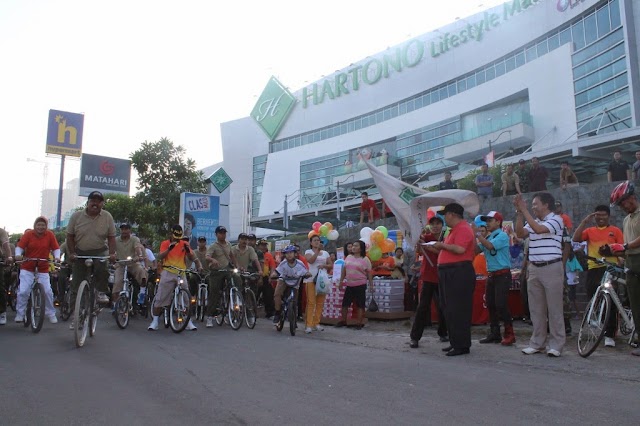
(324, 240)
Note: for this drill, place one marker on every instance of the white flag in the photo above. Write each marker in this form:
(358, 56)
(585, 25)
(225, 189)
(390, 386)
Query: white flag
(397, 195)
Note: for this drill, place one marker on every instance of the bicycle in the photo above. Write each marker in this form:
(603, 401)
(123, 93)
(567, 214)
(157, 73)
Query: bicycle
(65, 304)
(231, 302)
(152, 285)
(85, 315)
(123, 309)
(596, 315)
(200, 301)
(178, 313)
(249, 298)
(289, 309)
(34, 315)
(11, 290)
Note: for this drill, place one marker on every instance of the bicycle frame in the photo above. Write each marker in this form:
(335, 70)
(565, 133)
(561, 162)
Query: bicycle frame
(606, 287)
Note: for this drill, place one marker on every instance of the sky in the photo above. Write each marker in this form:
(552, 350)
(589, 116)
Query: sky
(140, 70)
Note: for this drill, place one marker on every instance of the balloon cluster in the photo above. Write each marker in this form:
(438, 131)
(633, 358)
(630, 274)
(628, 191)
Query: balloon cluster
(377, 242)
(325, 231)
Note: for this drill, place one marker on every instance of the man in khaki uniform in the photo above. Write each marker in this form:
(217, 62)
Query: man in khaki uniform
(91, 232)
(201, 255)
(7, 258)
(220, 259)
(128, 246)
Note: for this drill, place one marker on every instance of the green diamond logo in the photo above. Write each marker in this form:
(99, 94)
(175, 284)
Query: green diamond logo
(407, 195)
(273, 108)
(220, 180)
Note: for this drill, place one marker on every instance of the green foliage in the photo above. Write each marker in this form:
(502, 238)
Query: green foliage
(468, 182)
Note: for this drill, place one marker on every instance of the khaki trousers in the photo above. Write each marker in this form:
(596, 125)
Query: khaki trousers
(545, 287)
(315, 304)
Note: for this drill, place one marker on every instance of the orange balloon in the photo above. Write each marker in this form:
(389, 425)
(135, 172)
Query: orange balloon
(390, 245)
(377, 238)
(328, 225)
(312, 234)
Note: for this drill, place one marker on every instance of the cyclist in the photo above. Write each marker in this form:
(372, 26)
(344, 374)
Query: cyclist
(128, 245)
(91, 232)
(8, 258)
(268, 266)
(221, 259)
(172, 255)
(37, 243)
(246, 257)
(290, 271)
(201, 254)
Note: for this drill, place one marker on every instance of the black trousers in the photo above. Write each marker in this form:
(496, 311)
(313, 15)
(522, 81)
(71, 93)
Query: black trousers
(267, 297)
(594, 276)
(423, 312)
(497, 298)
(457, 284)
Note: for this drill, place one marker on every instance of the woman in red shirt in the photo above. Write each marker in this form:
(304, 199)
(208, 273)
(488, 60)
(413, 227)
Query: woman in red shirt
(36, 243)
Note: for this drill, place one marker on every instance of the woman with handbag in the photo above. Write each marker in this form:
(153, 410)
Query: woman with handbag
(318, 264)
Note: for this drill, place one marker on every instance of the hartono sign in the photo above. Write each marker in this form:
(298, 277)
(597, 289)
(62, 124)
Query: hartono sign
(409, 55)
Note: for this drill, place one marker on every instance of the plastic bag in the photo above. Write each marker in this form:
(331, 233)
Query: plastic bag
(323, 284)
(373, 305)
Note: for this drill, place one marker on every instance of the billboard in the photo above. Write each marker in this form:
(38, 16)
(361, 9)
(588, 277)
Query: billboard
(199, 216)
(104, 174)
(64, 133)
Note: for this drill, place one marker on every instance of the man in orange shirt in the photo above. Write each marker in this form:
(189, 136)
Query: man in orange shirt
(384, 266)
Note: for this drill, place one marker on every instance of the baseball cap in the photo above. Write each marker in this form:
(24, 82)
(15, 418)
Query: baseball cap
(220, 229)
(242, 235)
(125, 225)
(177, 231)
(493, 214)
(201, 238)
(252, 236)
(558, 203)
(521, 161)
(96, 194)
(436, 217)
(452, 208)
(262, 241)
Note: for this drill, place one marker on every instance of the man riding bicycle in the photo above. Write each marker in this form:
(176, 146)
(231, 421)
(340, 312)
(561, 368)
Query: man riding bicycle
(128, 246)
(221, 260)
(290, 271)
(246, 257)
(172, 255)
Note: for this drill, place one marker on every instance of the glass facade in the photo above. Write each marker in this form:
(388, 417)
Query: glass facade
(259, 168)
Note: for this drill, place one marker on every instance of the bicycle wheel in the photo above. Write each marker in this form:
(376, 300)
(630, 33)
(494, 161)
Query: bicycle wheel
(201, 304)
(222, 308)
(37, 309)
(81, 314)
(250, 308)
(283, 316)
(65, 307)
(13, 294)
(236, 310)
(93, 317)
(626, 330)
(293, 316)
(122, 312)
(27, 313)
(180, 311)
(594, 323)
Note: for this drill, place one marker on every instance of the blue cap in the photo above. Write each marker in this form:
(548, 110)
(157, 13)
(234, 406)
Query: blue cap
(479, 222)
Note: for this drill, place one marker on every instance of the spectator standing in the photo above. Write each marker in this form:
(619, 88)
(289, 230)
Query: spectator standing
(565, 218)
(568, 179)
(510, 182)
(268, 266)
(318, 259)
(523, 174)
(484, 183)
(618, 169)
(356, 273)
(368, 207)
(546, 271)
(636, 167)
(457, 278)
(430, 290)
(447, 183)
(537, 176)
(595, 237)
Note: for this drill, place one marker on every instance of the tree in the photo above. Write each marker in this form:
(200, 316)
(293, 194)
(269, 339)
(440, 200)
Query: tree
(468, 182)
(164, 172)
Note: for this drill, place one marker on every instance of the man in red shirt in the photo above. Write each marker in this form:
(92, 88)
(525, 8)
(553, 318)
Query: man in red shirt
(268, 266)
(429, 278)
(457, 278)
(369, 207)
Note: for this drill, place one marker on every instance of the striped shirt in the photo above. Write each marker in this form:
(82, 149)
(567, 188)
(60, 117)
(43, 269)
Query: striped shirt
(547, 246)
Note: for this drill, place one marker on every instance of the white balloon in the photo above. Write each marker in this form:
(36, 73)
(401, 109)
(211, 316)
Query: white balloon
(333, 235)
(366, 232)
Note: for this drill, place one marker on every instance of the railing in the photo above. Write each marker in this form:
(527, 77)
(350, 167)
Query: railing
(497, 124)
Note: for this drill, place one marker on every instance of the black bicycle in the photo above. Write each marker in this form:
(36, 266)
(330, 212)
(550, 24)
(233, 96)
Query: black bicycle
(231, 303)
(249, 281)
(65, 299)
(87, 308)
(289, 309)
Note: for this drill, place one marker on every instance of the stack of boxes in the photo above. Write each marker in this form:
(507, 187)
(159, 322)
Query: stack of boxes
(389, 295)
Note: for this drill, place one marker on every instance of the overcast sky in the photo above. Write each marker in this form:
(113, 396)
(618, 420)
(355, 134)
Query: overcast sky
(144, 69)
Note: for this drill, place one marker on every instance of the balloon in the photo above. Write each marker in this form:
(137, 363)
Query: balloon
(316, 226)
(323, 230)
(375, 253)
(324, 240)
(333, 235)
(389, 245)
(312, 234)
(366, 232)
(329, 225)
(377, 237)
(384, 231)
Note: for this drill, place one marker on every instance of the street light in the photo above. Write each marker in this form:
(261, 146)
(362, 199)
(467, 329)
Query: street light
(497, 137)
(338, 196)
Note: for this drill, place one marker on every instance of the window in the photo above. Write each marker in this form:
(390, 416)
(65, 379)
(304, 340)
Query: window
(520, 59)
(510, 63)
(590, 29)
(565, 36)
(604, 24)
(554, 42)
(471, 82)
(490, 73)
(462, 85)
(480, 77)
(531, 53)
(577, 30)
(542, 48)
(500, 69)
(614, 12)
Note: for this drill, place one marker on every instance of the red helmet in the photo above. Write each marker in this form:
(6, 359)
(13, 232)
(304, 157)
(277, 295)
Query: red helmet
(621, 192)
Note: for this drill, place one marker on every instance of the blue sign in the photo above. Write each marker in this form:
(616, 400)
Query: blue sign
(64, 133)
(199, 216)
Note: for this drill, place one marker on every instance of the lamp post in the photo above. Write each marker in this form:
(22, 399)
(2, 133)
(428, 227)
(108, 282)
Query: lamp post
(497, 137)
(338, 197)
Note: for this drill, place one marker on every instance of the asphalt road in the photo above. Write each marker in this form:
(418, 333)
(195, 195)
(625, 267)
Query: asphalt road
(260, 376)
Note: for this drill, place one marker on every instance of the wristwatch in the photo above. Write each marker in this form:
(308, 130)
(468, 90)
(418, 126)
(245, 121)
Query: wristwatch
(626, 246)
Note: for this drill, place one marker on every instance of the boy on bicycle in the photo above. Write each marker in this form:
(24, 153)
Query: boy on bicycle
(289, 273)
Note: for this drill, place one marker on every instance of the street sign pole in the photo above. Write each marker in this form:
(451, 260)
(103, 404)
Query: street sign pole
(59, 211)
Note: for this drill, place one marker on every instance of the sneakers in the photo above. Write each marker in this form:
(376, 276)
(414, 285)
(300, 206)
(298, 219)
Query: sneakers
(553, 353)
(102, 298)
(191, 326)
(19, 318)
(413, 344)
(154, 324)
(209, 322)
(308, 330)
(319, 328)
(276, 318)
(53, 319)
(609, 342)
(530, 351)
(3, 318)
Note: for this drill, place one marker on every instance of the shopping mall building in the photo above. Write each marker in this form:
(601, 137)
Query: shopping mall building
(556, 79)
